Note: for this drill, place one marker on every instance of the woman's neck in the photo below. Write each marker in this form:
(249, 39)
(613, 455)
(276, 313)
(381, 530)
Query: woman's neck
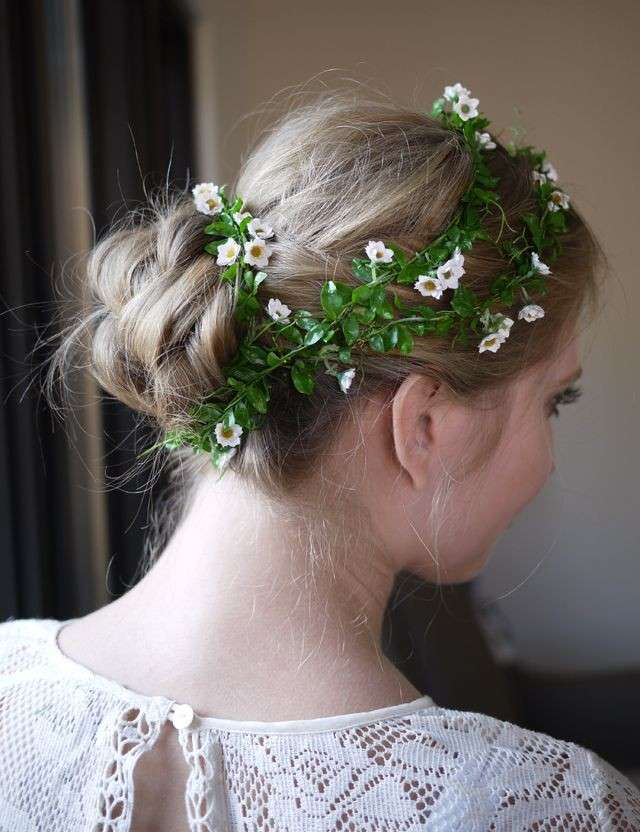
(256, 610)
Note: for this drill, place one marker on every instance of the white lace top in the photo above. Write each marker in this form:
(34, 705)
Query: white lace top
(70, 738)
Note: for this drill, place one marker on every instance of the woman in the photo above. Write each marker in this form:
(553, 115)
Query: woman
(240, 683)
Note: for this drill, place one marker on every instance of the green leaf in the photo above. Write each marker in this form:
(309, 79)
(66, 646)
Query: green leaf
(411, 270)
(443, 325)
(361, 268)
(437, 107)
(384, 310)
(220, 229)
(207, 413)
(254, 354)
(229, 274)
(361, 294)
(258, 278)
(463, 301)
(302, 378)
(272, 359)
(345, 355)
(305, 319)
(334, 297)
(405, 339)
(363, 314)
(376, 342)
(257, 397)
(242, 416)
(350, 328)
(314, 335)
(390, 336)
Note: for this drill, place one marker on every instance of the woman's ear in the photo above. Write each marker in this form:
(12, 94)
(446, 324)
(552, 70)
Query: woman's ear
(412, 425)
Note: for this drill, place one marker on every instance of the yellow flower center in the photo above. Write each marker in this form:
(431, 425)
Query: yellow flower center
(256, 250)
(212, 202)
(227, 433)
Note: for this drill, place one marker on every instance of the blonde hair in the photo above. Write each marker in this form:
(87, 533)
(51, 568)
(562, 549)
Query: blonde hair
(328, 175)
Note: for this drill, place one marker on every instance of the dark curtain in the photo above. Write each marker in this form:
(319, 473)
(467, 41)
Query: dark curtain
(140, 130)
(34, 476)
(135, 71)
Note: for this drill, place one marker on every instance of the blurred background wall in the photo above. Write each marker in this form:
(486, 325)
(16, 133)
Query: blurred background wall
(549, 634)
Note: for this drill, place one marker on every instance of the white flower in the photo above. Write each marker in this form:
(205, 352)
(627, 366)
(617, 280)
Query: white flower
(240, 215)
(228, 437)
(257, 252)
(466, 107)
(493, 341)
(558, 200)
(549, 171)
(378, 253)
(450, 272)
(228, 252)
(531, 312)
(258, 229)
(278, 310)
(346, 378)
(504, 327)
(429, 285)
(484, 140)
(546, 173)
(207, 198)
(538, 265)
(454, 90)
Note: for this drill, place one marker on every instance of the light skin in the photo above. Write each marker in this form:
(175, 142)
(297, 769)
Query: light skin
(233, 619)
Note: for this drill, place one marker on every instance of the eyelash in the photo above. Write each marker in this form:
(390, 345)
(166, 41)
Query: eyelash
(567, 396)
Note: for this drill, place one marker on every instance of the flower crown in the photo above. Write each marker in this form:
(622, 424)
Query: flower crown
(355, 316)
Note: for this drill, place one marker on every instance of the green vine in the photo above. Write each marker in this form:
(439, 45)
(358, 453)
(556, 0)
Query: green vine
(369, 315)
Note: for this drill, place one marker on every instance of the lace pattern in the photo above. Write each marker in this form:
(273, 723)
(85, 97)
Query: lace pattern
(69, 743)
(132, 733)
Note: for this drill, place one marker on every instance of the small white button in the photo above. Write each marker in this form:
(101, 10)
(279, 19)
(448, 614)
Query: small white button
(181, 715)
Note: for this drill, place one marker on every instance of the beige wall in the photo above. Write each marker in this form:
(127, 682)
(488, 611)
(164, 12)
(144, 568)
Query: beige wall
(569, 567)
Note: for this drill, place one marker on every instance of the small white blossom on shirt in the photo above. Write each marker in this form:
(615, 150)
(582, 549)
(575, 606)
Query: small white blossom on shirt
(229, 436)
(466, 107)
(531, 312)
(538, 265)
(451, 271)
(278, 310)
(484, 140)
(378, 253)
(228, 252)
(346, 378)
(429, 285)
(450, 92)
(558, 200)
(257, 252)
(207, 198)
(258, 229)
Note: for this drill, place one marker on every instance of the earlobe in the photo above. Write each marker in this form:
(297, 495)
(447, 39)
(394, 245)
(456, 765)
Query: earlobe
(411, 425)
